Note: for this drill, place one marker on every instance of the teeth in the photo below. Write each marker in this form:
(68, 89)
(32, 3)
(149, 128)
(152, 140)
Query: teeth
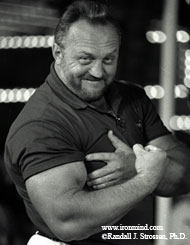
(92, 81)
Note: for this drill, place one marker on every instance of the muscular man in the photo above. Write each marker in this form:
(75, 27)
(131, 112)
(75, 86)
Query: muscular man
(78, 152)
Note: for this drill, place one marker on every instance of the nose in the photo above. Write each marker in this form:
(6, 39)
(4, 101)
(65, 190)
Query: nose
(96, 69)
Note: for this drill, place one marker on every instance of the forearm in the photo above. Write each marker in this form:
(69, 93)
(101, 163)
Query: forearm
(176, 179)
(86, 211)
(131, 170)
(74, 213)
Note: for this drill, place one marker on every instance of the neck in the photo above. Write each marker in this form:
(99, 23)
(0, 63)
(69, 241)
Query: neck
(100, 103)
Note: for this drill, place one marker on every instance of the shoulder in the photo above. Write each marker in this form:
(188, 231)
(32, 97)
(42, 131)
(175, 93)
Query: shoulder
(33, 111)
(132, 93)
(134, 96)
(129, 88)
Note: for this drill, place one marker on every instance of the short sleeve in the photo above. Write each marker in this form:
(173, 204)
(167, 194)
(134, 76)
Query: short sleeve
(39, 146)
(153, 126)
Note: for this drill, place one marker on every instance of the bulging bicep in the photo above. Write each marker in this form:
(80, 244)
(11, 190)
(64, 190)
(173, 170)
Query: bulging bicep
(50, 191)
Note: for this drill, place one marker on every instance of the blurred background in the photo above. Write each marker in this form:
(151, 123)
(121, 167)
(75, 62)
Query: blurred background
(155, 53)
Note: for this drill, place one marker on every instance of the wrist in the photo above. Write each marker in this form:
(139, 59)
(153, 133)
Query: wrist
(130, 165)
(148, 181)
(140, 185)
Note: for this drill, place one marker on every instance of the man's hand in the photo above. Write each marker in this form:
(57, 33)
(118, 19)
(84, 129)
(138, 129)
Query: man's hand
(120, 165)
(150, 163)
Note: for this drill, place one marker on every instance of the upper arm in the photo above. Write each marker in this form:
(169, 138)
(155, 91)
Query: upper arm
(51, 190)
(46, 146)
(175, 180)
(51, 163)
(175, 149)
(166, 142)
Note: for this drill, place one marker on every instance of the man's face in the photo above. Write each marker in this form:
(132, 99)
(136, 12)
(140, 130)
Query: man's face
(89, 59)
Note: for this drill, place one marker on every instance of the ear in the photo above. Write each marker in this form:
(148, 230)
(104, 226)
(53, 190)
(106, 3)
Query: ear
(57, 53)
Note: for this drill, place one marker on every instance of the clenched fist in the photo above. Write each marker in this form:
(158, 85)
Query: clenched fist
(150, 163)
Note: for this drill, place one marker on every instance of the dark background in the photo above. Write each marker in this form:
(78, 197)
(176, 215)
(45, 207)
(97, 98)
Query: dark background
(22, 67)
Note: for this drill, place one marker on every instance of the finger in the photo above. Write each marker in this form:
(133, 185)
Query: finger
(101, 172)
(104, 185)
(152, 148)
(116, 142)
(104, 156)
(138, 149)
(102, 180)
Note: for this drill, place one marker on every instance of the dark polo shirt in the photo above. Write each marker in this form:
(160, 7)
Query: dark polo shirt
(55, 127)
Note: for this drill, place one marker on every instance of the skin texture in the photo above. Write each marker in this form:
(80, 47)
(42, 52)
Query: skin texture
(120, 165)
(74, 213)
(87, 61)
(70, 210)
(175, 179)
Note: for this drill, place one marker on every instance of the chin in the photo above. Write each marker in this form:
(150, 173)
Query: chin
(92, 99)
(89, 97)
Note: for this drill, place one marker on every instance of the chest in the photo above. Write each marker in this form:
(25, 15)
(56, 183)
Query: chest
(126, 125)
(94, 127)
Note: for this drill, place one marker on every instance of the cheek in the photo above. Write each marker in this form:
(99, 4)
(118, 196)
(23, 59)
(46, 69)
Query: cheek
(77, 70)
(111, 70)
(68, 64)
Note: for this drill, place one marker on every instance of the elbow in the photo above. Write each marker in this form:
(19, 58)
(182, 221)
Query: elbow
(175, 181)
(70, 223)
(174, 192)
(69, 231)
(68, 236)
(173, 189)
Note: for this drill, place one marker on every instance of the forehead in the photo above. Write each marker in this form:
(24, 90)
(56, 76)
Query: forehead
(83, 35)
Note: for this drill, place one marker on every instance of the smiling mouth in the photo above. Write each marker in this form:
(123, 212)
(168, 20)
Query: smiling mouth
(92, 81)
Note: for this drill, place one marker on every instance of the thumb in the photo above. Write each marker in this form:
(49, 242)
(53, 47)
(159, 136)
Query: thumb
(138, 149)
(152, 148)
(116, 142)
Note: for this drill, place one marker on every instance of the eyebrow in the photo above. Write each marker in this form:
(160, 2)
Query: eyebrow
(90, 54)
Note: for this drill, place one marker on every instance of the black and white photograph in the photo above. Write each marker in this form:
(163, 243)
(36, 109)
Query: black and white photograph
(95, 122)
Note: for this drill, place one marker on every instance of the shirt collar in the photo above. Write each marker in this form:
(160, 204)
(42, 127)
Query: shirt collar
(67, 96)
(114, 96)
(62, 91)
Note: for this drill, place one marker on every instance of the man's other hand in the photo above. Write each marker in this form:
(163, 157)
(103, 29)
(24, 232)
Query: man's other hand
(150, 163)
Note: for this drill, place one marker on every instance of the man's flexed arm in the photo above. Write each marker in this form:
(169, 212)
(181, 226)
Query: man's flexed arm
(120, 166)
(176, 178)
(74, 213)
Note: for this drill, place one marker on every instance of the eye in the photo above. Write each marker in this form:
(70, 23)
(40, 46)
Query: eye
(109, 60)
(85, 60)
